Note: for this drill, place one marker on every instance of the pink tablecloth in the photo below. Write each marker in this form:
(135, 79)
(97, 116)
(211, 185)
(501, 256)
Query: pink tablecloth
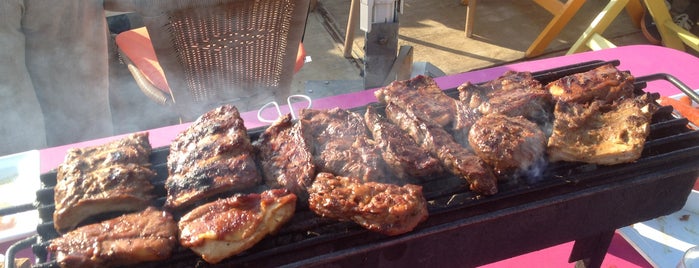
(641, 60)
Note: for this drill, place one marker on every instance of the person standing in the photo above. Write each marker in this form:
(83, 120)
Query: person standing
(54, 73)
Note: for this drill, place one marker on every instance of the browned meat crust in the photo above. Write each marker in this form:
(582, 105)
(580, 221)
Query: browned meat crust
(384, 208)
(341, 144)
(600, 133)
(402, 155)
(507, 143)
(213, 155)
(285, 157)
(456, 159)
(226, 227)
(113, 177)
(149, 235)
(421, 96)
(605, 83)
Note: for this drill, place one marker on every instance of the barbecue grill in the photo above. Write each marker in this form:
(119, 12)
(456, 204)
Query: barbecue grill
(571, 202)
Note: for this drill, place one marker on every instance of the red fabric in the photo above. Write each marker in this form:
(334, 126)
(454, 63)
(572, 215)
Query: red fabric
(137, 47)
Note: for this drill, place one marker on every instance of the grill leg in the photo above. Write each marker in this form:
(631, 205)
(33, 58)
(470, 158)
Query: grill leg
(590, 251)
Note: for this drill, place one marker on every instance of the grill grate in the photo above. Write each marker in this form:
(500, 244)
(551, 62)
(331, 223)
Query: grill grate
(670, 159)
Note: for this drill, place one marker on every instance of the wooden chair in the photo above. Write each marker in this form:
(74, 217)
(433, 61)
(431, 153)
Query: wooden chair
(562, 13)
(194, 55)
(671, 34)
(592, 37)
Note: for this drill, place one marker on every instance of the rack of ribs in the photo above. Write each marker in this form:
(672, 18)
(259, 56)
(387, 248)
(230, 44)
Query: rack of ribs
(113, 177)
(285, 156)
(457, 159)
(148, 235)
(402, 155)
(213, 155)
(422, 97)
(341, 144)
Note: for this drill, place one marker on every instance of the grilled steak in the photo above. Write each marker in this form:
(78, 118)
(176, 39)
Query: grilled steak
(599, 132)
(148, 235)
(226, 227)
(512, 94)
(507, 143)
(341, 144)
(402, 155)
(605, 83)
(380, 207)
(285, 157)
(213, 155)
(113, 177)
(422, 97)
(456, 159)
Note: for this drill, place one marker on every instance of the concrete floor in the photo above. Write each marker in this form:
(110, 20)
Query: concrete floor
(503, 31)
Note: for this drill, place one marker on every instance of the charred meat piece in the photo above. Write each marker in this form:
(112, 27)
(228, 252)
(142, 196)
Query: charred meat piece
(213, 155)
(285, 156)
(402, 155)
(144, 236)
(422, 97)
(507, 143)
(600, 133)
(534, 104)
(512, 80)
(341, 144)
(113, 177)
(226, 227)
(455, 158)
(380, 207)
(605, 83)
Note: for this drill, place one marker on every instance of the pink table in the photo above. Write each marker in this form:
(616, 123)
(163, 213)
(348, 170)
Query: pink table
(641, 60)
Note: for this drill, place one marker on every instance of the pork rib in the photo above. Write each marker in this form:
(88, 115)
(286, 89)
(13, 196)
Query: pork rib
(285, 156)
(213, 155)
(341, 144)
(421, 96)
(455, 158)
(113, 177)
(402, 155)
(605, 83)
(148, 235)
(600, 133)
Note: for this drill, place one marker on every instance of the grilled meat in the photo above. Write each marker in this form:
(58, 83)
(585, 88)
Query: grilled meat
(285, 157)
(456, 159)
(507, 143)
(226, 227)
(148, 235)
(400, 152)
(341, 144)
(213, 155)
(380, 207)
(599, 132)
(113, 177)
(422, 97)
(534, 104)
(605, 83)
(512, 94)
